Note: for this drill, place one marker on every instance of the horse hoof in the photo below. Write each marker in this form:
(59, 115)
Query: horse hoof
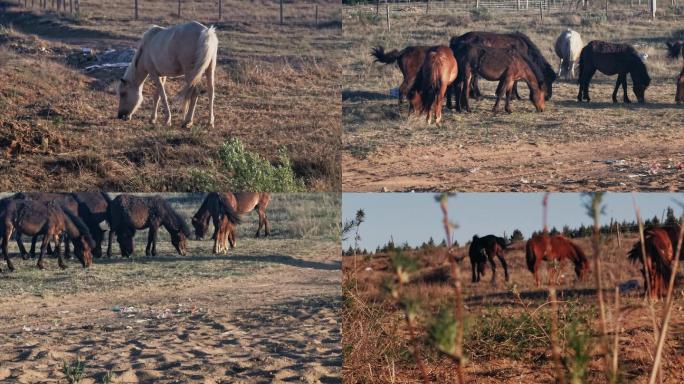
(187, 124)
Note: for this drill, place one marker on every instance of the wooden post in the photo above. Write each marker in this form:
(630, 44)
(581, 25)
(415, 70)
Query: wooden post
(281, 12)
(316, 17)
(518, 5)
(179, 8)
(477, 4)
(541, 11)
(618, 233)
(653, 9)
(136, 9)
(427, 6)
(388, 18)
(377, 7)
(220, 10)
(606, 9)
(78, 7)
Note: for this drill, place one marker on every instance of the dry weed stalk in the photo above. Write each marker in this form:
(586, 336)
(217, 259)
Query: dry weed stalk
(647, 277)
(555, 349)
(456, 276)
(668, 306)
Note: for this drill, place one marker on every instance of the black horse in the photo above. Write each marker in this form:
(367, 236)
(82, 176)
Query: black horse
(483, 249)
(611, 59)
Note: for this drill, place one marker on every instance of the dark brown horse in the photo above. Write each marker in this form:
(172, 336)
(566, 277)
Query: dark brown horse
(611, 59)
(92, 209)
(554, 248)
(675, 49)
(660, 245)
(219, 207)
(65, 200)
(127, 214)
(516, 41)
(52, 221)
(409, 60)
(503, 65)
(438, 71)
(483, 249)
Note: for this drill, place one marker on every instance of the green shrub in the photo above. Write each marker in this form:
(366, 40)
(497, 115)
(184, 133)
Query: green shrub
(73, 370)
(250, 172)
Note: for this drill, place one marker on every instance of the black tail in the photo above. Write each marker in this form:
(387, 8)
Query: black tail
(386, 58)
(674, 49)
(530, 257)
(634, 254)
(233, 217)
(584, 54)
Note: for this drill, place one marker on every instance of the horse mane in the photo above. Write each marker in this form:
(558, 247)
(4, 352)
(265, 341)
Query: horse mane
(536, 57)
(153, 30)
(641, 71)
(501, 241)
(674, 48)
(204, 207)
(177, 220)
(80, 225)
(582, 257)
(385, 57)
(541, 80)
(227, 208)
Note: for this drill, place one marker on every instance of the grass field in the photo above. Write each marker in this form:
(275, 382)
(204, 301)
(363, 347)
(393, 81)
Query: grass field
(266, 311)
(504, 342)
(277, 87)
(569, 146)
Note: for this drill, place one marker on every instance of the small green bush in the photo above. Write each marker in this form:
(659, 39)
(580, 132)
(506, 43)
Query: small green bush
(480, 14)
(251, 172)
(74, 370)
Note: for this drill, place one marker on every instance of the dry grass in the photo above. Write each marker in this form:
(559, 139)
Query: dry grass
(503, 344)
(277, 86)
(568, 147)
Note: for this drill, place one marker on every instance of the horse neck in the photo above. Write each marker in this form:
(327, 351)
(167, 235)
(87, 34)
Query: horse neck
(203, 213)
(136, 73)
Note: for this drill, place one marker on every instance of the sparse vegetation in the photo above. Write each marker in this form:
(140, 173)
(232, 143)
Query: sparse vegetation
(73, 370)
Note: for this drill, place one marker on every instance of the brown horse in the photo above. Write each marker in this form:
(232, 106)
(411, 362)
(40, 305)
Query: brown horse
(224, 225)
(438, 71)
(483, 249)
(611, 59)
(409, 60)
(554, 248)
(503, 65)
(674, 50)
(660, 245)
(65, 200)
(128, 213)
(220, 207)
(516, 41)
(50, 220)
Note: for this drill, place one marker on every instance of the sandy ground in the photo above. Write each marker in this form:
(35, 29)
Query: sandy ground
(276, 323)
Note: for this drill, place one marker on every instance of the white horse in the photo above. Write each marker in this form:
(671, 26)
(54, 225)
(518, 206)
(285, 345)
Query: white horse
(188, 49)
(568, 48)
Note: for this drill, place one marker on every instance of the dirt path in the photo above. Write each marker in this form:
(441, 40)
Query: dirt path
(610, 164)
(274, 325)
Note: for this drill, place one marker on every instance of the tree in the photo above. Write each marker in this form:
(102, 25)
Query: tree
(517, 236)
(353, 226)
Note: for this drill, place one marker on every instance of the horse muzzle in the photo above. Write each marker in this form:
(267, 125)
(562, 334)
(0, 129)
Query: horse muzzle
(123, 116)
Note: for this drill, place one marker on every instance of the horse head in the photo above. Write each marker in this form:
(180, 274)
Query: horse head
(200, 226)
(179, 241)
(130, 98)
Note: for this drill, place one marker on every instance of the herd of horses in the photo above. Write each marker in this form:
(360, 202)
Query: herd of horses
(82, 219)
(433, 73)
(655, 255)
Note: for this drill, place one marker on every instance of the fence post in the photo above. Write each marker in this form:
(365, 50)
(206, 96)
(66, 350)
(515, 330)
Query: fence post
(653, 9)
(179, 8)
(388, 17)
(518, 5)
(136, 9)
(377, 7)
(606, 9)
(316, 16)
(220, 10)
(541, 11)
(281, 12)
(477, 4)
(427, 6)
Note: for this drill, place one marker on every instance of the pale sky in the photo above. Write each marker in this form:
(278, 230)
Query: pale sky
(414, 217)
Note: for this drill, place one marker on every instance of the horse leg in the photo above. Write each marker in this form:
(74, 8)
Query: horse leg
(67, 248)
(20, 244)
(210, 82)
(537, 264)
(109, 244)
(58, 251)
(617, 86)
(474, 92)
(585, 79)
(152, 239)
(155, 101)
(491, 262)
(189, 116)
(160, 86)
(43, 249)
(624, 89)
(5, 242)
(679, 97)
(473, 267)
(32, 251)
(500, 256)
(560, 67)
(515, 91)
(510, 87)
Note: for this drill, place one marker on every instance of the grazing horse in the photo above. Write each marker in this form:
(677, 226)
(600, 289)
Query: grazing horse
(220, 207)
(554, 248)
(438, 71)
(63, 199)
(516, 41)
(568, 47)
(611, 59)
(409, 60)
(660, 245)
(483, 249)
(495, 64)
(188, 49)
(92, 209)
(51, 220)
(128, 213)
(675, 49)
